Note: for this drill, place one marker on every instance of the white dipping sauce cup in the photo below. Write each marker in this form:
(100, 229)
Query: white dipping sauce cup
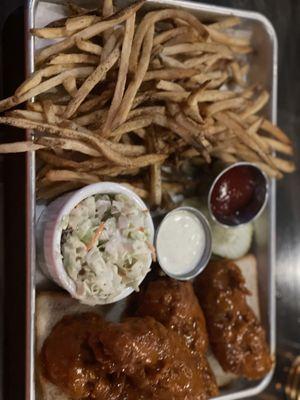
(50, 226)
(203, 260)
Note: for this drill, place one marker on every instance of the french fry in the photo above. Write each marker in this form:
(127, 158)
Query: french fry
(92, 164)
(130, 126)
(70, 86)
(255, 126)
(113, 171)
(146, 111)
(195, 130)
(58, 23)
(257, 105)
(155, 195)
(68, 175)
(50, 33)
(111, 43)
(89, 32)
(217, 83)
(170, 73)
(92, 80)
(200, 61)
(75, 9)
(171, 33)
(243, 136)
(122, 75)
(195, 48)
(98, 143)
(129, 149)
(202, 95)
(193, 112)
(188, 37)
(132, 99)
(37, 108)
(96, 101)
(44, 86)
(49, 112)
(76, 58)
(237, 73)
(81, 22)
(151, 19)
(57, 161)
(68, 144)
(31, 115)
(223, 105)
(107, 10)
(225, 23)
(225, 157)
(134, 85)
(241, 50)
(190, 153)
(90, 118)
(171, 96)
(42, 172)
(208, 76)
(184, 133)
(170, 86)
(223, 38)
(171, 62)
(275, 131)
(283, 165)
(36, 78)
(278, 146)
(19, 147)
(88, 46)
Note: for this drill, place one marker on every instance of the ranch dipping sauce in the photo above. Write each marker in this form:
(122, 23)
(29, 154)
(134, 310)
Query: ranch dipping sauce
(181, 243)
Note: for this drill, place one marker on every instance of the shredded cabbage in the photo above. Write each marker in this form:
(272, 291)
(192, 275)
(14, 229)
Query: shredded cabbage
(104, 246)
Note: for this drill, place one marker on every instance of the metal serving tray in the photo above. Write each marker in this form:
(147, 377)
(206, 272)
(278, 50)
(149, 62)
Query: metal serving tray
(264, 71)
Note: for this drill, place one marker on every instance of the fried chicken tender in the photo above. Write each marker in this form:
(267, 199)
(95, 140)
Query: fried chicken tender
(174, 304)
(235, 334)
(138, 359)
(68, 361)
(154, 359)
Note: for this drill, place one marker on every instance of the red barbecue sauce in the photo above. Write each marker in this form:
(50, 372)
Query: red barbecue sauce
(233, 191)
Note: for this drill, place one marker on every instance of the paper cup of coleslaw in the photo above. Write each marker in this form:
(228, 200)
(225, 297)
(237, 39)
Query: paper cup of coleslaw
(96, 242)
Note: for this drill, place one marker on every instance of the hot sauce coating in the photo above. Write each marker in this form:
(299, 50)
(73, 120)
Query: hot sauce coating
(136, 359)
(235, 334)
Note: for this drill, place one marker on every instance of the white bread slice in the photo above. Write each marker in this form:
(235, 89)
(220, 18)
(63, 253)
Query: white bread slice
(51, 307)
(248, 266)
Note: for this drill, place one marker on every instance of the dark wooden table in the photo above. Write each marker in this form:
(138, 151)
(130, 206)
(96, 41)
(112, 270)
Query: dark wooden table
(285, 16)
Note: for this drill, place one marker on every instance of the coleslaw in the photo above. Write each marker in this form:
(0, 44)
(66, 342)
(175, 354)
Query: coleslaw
(105, 246)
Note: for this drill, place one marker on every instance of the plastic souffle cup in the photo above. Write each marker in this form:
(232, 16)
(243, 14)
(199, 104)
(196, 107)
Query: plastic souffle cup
(49, 230)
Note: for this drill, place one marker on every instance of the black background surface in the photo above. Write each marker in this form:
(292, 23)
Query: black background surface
(285, 15)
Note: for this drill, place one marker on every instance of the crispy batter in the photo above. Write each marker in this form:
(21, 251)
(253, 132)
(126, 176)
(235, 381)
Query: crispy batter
(236, 336)
(174, 304)
(138, 358)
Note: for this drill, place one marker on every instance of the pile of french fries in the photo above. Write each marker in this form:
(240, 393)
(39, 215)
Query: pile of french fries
(125, 95)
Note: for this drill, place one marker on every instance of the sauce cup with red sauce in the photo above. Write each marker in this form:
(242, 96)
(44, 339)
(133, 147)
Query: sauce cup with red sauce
(238, 195)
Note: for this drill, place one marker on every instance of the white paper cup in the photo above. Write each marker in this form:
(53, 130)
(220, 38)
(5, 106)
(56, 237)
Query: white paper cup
(50, 226)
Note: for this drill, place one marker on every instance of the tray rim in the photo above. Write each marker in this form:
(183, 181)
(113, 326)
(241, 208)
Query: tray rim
(30, 385)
